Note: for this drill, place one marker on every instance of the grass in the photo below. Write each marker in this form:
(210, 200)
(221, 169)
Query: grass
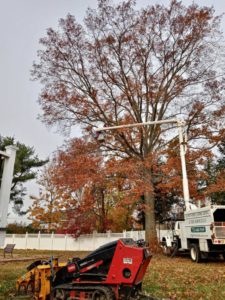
(180, 278)
(171, 278)
(10, 271)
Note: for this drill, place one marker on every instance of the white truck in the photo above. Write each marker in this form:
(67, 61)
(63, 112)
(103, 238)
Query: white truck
(202, 233)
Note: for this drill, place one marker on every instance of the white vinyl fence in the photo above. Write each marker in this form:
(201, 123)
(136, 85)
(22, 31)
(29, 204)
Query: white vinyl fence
(53, 241)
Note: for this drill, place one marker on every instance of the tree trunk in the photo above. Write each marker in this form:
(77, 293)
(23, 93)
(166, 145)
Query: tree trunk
(150, 228)
(102, 214)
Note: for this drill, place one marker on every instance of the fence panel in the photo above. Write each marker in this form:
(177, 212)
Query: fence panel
(53, 241)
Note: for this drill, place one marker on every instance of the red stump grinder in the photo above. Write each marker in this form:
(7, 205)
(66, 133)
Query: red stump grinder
(112, 272)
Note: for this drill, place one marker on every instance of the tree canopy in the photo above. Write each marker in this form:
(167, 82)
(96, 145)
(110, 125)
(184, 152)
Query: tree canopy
(130, 66)
(46, 211)
(95, 194)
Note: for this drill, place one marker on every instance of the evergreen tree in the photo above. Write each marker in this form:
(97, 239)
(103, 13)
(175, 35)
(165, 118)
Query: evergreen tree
(215, 183)
(221, 161)
(25, 169)
(219, 196)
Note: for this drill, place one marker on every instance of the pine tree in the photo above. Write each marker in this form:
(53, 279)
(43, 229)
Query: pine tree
(216, 177)
(25, 169)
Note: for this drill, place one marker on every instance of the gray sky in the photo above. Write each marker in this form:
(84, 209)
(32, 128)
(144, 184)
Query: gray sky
(22, 24)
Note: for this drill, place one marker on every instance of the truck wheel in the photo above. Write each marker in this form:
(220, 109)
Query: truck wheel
(195, 253)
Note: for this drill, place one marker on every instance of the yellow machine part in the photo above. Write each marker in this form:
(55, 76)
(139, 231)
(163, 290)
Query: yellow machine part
(36, 282)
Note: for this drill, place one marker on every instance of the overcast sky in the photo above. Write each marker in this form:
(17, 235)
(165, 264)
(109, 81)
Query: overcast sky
(22, 24)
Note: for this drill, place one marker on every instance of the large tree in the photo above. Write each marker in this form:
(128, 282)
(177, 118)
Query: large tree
(25, 169)
(126, 66)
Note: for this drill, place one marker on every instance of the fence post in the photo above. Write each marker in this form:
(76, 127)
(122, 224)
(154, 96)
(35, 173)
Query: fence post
(65, 241)
(39, 240)
(13, 238)
(124, 233)
(52, 240)
(78, 239)
(94, 239)
(26, 238)
(132, 234)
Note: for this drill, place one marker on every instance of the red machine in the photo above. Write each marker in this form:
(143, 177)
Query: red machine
(112, 272)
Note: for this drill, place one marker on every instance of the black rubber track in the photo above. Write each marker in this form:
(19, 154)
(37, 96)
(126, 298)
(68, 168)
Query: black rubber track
(106, 291)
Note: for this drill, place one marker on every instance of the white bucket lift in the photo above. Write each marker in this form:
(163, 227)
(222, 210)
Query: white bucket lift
(8, 158)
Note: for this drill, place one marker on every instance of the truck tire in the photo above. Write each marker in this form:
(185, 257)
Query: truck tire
(195, 253)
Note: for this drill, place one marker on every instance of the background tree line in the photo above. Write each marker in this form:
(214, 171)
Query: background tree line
(84, 193)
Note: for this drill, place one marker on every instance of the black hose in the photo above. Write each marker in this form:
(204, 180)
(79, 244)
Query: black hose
(174, 249)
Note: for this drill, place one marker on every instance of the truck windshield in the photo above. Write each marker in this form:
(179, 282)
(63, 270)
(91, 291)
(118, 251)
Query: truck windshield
(219, 215)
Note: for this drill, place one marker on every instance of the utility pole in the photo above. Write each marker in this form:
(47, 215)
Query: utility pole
(8, 158)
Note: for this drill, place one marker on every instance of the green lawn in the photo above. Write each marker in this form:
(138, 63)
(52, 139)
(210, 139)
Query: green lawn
(173, 278)
(10, 271)
(180, 278)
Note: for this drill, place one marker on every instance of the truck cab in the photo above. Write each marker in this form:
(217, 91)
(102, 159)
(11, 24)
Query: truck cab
(202, 233)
